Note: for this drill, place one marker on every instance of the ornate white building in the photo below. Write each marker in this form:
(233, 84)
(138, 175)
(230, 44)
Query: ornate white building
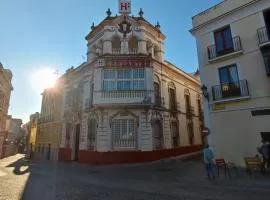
(126, 103)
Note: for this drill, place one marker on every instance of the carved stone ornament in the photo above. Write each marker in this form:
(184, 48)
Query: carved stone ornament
(124, 27)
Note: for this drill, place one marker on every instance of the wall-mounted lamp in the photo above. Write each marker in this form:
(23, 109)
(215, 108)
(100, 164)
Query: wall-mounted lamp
(205, 92)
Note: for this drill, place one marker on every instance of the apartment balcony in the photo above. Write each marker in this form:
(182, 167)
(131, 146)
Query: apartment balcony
(263, 38)
(231, 91)
(129, 97)
(217, 55)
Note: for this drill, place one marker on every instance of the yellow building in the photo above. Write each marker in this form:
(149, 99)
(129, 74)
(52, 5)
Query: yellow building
(233, 47)
(50, 123)
(31, 127)
(5, 90)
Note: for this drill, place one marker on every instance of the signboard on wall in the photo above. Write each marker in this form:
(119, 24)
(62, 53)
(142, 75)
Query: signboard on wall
(128, 62)
(124, 6)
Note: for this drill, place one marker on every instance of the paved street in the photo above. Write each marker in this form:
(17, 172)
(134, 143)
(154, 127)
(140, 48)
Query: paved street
(170, 179)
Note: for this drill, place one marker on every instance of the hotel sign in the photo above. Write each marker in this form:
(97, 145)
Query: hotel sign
(128, 62)
(124, 6)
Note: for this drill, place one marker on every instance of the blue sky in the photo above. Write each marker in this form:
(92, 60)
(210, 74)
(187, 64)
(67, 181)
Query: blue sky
(38, 34)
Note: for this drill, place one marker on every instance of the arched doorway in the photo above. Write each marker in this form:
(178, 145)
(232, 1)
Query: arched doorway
(157, 131)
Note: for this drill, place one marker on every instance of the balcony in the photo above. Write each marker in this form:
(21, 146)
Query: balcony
(214, 55)
(231, 91)
(263, 37)
(130, 52)
(189, 112)
(133, 51)
(131, 97)
(116, 51)
(159, 101)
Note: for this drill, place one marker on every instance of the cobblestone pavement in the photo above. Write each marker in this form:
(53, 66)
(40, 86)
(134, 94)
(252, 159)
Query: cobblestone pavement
(170, 179)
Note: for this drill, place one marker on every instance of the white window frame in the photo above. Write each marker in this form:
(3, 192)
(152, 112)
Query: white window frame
(131, 79)
(123, 144)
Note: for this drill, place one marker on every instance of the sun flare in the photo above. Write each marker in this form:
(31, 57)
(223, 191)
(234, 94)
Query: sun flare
(44, 78)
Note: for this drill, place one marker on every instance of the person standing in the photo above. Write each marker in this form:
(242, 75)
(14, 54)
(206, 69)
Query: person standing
(208, 156)
(265, 153)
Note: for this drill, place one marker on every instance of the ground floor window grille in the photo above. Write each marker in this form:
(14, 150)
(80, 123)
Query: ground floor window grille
(92, 131)
(175, 134)
(158, 134)
(123, 134)
(190, 132)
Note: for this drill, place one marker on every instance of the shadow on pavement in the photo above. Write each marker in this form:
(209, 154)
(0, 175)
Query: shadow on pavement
(21, 166)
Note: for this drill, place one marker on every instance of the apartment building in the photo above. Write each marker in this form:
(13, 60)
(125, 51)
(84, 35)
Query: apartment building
(233, 51)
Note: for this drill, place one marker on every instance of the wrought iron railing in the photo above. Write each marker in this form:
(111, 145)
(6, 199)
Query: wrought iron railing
(213, 52)
(230, 90)
(189, 111)
(158, 101)
(263, 35)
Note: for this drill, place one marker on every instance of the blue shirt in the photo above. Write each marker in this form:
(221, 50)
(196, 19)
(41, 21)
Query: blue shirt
(208, 155)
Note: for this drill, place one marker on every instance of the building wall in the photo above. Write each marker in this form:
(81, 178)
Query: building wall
(235, 132)
(218, 10)
(49, 127)
(139, 105)
(5, 91)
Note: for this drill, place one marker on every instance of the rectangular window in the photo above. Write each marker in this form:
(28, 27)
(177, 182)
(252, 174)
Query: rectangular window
(124, 74)
(266, 58)
(229, 81)
(172, 97)
(123, 79)
(223, 41)
(266, 15)
(228, 74)
(123, 132)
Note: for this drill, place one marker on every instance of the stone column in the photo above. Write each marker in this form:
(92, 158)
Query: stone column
(124, 46)
(107, 47)
(142, 47)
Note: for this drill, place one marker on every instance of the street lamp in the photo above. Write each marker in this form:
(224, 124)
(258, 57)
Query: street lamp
(205, 92)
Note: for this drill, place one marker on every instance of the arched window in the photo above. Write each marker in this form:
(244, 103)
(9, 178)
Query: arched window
(172, 96)
(187, 102)
(200, 112)
(91, 135)
(116, 45)
(124, 130)
(157, 130)
(133, 45)
(157, 91)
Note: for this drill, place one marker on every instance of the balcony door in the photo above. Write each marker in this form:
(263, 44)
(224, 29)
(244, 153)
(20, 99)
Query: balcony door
(175, 134)
(157, 94)
(77, 141)
(266, 15)
(172, 97)
(223, 41)
(229, 81)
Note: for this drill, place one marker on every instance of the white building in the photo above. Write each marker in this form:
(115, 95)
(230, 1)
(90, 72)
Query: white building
(233, 51)
(126, 103)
